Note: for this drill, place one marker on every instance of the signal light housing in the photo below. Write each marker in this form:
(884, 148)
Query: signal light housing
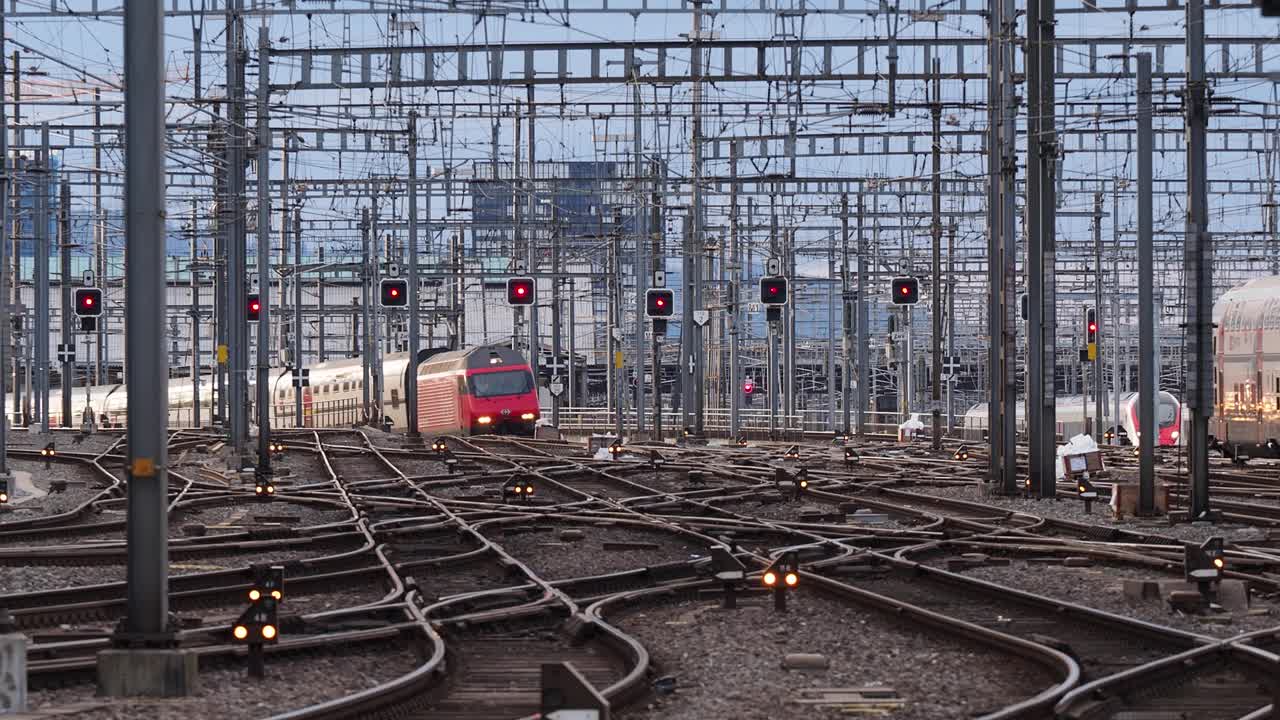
(905, 291)
(393, 292)
(659, 303)
(1206, 562)
(773, 290)
(782, 575)
(259, 623)
(253, 307)
(520, 291)
(88, 302)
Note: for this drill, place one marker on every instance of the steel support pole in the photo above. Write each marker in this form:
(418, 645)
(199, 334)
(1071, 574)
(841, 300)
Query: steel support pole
(237, 250)
(298, 362)
(99, 230)
(638, 221)
(689, 262)
(846, 324)
(863, 324)
(698, 349)
(735, 302)
(194, 312)
(40, 341)
(1115, 311)
(1041, 215)
(65, 312)
(415, 321)
(263, 252)
(1096, 365)
(1002, 246)
(951, 323)
(5, 316)
(557, 373)
(365, 349)
(1147, 380)
(147, 529)
(1198, 267)
(935, 380)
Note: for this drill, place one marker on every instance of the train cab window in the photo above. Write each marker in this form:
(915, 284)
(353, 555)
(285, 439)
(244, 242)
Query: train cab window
(506, 382)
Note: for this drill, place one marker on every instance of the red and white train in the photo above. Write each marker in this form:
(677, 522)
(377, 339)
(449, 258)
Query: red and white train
(1070, 416)
(480, 390)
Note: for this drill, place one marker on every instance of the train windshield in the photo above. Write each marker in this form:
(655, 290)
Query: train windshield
(507, 382)
(1167, 413)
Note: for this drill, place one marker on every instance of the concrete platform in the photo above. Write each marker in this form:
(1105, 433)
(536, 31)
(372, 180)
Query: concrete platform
(151, 673)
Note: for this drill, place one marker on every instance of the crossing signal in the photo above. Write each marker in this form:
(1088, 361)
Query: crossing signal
(254, 308)
(394, 292)
(773, 290)
(905, 291)
(520, 291)
(659, 303)
(88, 302)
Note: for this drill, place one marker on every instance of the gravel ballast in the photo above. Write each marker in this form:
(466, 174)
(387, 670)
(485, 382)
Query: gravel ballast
(1069, 508)
(291, 683)
(728, 664)
(1102, 588)
(555, 559)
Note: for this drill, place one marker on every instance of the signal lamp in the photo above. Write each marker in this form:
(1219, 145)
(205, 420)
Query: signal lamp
(393, 292)
(905, 291)
(88, 302)
(520, 291)
(253, 308)
(773, 290)
(240, 632)
(659, 303)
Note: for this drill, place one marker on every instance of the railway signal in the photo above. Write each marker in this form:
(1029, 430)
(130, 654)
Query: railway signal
(1086, 492)
(905, 291)
(800, 483)
(48, 452)
(259, 624)
(1091, 333)
(748, 390)
(781, 576)
(961, 453)
(439, 447)
(253, 307)
(4, 490)
(263, 488)
(393, 292)
(87, 302)
(851, 457)
(730, 571)
(659, 303)
(520, 488)
(520, 291)
(773, 290)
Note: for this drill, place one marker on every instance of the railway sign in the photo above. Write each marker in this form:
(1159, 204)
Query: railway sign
(556, 387)
(702, 317)
(301, 377)
(753, 307)
(66, 353)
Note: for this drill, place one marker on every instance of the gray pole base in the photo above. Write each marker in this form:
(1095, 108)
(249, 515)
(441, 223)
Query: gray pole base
(148, 672)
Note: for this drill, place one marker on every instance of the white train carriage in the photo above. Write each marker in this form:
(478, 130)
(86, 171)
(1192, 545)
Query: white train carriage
(1070, 418)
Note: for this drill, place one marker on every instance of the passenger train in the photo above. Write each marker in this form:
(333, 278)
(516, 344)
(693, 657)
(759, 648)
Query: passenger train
(1070, 414)
(1246, 417)
(484, 389)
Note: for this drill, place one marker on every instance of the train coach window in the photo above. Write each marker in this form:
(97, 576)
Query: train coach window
(346, 386)
(507, 382)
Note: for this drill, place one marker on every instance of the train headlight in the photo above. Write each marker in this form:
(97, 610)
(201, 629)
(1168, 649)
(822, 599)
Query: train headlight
(1175, 434)
(484, 419)
(528, 416)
